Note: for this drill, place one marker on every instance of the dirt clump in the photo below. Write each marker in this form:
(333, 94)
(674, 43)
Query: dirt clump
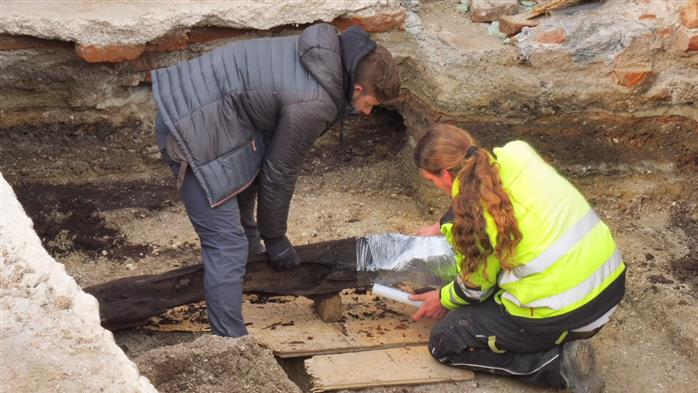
(215, 364)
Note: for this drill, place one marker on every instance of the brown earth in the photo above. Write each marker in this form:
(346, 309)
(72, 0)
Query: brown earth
(106, 208)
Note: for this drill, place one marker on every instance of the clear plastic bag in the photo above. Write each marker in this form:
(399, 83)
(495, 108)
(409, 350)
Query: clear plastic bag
(420, 261)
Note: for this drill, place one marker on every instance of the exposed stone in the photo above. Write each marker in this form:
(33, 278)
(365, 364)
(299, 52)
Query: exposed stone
(109, 53)
(51, 334)
(689, 16)
(377, 23)
(492, 10)
(686, 40)
(443, 56)
(512, 24)
(557, 36)
(127, 23)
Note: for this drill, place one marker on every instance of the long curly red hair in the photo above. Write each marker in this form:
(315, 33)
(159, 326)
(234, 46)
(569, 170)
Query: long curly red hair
(446, 147)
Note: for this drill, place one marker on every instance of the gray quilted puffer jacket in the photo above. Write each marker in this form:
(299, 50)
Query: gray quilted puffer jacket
(255, 107)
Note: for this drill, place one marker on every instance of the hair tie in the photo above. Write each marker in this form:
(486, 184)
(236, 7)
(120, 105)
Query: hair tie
(471, 150)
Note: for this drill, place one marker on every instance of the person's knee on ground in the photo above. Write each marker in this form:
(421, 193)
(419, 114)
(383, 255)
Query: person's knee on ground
(446, 340)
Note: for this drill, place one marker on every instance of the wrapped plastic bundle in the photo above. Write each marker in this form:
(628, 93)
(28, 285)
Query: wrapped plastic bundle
(417, 260)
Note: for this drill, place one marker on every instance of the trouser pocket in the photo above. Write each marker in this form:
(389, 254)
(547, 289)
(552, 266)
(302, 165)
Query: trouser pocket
(176, 155)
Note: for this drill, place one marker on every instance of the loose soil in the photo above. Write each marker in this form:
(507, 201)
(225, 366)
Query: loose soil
(105, 207)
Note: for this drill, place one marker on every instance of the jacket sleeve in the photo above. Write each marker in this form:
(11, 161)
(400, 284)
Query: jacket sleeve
(478, 288)
(298, 127)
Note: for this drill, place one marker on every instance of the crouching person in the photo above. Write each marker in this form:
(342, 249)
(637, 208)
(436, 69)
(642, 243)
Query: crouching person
(539, 272)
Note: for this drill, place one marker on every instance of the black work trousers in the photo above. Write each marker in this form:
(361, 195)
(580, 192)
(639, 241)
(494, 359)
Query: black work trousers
(484, 337)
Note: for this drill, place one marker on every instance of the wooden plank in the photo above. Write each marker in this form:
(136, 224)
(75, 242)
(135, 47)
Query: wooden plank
(291, 328)
(326, 267)
(387, 367)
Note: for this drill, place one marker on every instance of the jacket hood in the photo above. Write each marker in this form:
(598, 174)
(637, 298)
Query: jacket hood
(321, 55)
(356, 44)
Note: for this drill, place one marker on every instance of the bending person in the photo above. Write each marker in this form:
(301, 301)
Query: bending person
(235, 125)
(538, 271)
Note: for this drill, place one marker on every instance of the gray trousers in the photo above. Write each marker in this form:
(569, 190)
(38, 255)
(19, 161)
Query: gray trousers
(223, 232)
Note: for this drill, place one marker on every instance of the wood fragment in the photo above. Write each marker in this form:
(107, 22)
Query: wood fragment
(329, 308)
(326, 268)
(549, 6)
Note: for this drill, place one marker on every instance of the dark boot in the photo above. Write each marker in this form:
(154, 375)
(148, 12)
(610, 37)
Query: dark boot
(578, 369)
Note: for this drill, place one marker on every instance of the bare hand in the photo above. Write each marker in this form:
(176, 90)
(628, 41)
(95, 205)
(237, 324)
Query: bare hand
(430, 230)
(431, 308)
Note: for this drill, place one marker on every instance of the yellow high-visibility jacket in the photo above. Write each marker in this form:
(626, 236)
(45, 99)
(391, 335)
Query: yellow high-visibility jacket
(566, 256)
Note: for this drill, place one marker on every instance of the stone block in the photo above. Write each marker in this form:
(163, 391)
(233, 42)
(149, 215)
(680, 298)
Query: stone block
(557, 36)
(109, 53)
(380, 22)
(686, 40)
(492, 10)
(512, 24)
(633, 77)
(51, 329)
(689, 16)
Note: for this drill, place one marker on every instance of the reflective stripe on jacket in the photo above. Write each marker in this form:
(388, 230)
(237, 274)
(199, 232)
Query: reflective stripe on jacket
(566, 257)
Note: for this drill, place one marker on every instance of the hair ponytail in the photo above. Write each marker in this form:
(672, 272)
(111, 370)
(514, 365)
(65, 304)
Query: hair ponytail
(451, 148)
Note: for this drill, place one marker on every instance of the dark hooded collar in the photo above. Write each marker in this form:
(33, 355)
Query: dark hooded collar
(356, 44)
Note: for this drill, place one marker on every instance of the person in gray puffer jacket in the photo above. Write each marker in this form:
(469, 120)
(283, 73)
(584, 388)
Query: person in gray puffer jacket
(235, 125)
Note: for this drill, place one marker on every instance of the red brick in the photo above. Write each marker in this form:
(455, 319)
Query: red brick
(173, 41)
(512, 24)
(557, 36)
(686, 40)
(373, 24)
(633, 77)
(689, 16)
(648, 16)
(17, 42)
(109, 53)
(198, 35)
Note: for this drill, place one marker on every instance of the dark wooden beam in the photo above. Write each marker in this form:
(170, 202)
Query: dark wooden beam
(326, 268)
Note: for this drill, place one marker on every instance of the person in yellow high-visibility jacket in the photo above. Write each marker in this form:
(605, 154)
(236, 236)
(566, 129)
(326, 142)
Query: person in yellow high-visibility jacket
(538, 271)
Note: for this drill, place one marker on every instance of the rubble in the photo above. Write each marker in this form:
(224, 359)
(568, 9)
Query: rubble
(212, 364)
(51, 328)
(492, 10)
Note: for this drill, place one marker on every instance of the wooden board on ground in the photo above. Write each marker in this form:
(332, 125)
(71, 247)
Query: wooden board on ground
(387, 367)
(291, 328)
